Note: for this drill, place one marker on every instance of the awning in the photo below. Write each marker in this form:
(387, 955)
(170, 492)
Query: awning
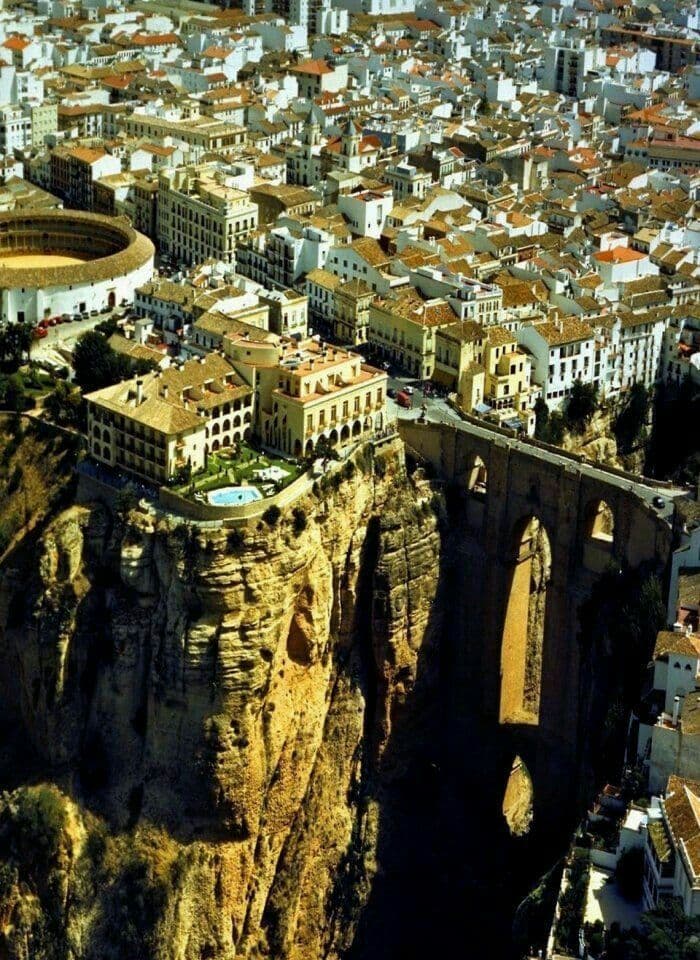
(482, 408)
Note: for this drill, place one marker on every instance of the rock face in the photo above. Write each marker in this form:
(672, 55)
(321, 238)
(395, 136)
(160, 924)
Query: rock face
(597, 442)
(221, 712)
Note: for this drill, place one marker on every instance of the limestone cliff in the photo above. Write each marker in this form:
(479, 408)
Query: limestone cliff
(219, 711)
(597, 441)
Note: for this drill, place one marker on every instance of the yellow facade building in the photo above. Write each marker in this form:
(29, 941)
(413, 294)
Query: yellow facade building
(308, 392)
(484, 366)
(156, 425)
(403, 330)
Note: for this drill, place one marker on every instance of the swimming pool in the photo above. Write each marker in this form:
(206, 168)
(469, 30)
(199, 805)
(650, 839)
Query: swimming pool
(234, 496)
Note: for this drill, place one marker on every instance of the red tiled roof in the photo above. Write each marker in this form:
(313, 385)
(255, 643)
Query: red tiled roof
(16, 43)
(315, 68)
(619, 255)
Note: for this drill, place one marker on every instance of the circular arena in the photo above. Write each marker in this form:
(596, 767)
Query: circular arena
(66, 262)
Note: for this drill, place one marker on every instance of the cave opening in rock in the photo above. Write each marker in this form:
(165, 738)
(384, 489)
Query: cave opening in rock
(530, 561)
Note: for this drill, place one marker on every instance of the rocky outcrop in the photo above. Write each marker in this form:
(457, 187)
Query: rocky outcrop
(231, 705)
(597, 441)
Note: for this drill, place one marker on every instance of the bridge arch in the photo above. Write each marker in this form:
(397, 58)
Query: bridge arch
(529, 562)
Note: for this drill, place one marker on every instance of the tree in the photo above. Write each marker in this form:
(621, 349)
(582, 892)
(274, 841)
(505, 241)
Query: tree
(15, 341)
(541, 418)
(13, 395)
(630, 424)
(581, 405)
(126, 501)
(325, 451)
(664, 934)
(96, 364)
(64, 405)
(549, 427)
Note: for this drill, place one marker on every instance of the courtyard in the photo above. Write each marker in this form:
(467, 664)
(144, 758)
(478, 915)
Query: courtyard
(241, 469)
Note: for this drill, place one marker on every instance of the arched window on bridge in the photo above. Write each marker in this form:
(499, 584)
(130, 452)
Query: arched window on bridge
(600, 521)
(599, 535)
(477, 478)
(530, 561)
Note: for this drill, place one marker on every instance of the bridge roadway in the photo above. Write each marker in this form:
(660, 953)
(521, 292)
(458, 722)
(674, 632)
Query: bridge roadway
(646, 489)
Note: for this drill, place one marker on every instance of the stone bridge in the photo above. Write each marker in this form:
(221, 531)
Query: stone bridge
(541, 527)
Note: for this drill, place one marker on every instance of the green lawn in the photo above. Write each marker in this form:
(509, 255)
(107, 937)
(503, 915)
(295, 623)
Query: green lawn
(226, 467)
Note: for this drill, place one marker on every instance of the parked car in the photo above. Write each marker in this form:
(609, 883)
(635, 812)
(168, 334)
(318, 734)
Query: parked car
(404, 399)
(38, 333)
(409, 390)
(391, 393)
(659, 502)
(94, 313)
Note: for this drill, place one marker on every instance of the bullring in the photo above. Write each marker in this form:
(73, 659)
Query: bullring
(66, 261)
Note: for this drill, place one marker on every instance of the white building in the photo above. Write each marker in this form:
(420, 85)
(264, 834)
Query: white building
(567, 64)
(563, 351)
(366, 210)
(200, 216)
(15, 129)
(406, 180)
(672, 852)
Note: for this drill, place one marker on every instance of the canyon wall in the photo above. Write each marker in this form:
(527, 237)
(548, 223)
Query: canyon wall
(219, 711)
(294, 739)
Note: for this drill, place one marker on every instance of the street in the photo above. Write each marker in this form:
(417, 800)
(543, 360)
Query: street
(61, 339)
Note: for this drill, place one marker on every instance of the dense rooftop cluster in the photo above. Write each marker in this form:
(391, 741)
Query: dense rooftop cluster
(494, 196)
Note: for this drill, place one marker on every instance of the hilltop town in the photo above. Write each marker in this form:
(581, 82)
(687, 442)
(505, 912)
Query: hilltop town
(243, 246)
(496, 203)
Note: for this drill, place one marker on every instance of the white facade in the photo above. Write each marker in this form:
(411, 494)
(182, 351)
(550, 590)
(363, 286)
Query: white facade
(559, 358)
(33, 304)
(15, 129)
(366, 211)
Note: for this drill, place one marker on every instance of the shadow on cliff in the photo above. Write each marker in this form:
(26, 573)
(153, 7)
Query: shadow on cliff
(449, 873)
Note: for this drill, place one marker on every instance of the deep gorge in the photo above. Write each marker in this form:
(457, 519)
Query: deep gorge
(271, 742)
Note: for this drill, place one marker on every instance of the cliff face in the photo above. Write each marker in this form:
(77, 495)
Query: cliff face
(221, 714)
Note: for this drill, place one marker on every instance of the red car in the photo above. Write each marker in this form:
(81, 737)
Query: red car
(39, 333)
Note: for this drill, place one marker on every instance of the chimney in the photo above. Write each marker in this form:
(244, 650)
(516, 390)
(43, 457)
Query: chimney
(676, 710)
(139, 392)
(165, 391)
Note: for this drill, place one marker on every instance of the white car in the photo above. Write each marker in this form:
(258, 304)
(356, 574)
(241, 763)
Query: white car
(408, 390)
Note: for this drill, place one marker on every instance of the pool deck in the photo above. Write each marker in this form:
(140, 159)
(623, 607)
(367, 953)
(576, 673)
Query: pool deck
(233, 496)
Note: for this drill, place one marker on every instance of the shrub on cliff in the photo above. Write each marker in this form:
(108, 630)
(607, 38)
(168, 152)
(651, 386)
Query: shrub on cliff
(549, 427)
(31, 830)
(299, 522)
(272, 515)
(581, 405)
(630, 424)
